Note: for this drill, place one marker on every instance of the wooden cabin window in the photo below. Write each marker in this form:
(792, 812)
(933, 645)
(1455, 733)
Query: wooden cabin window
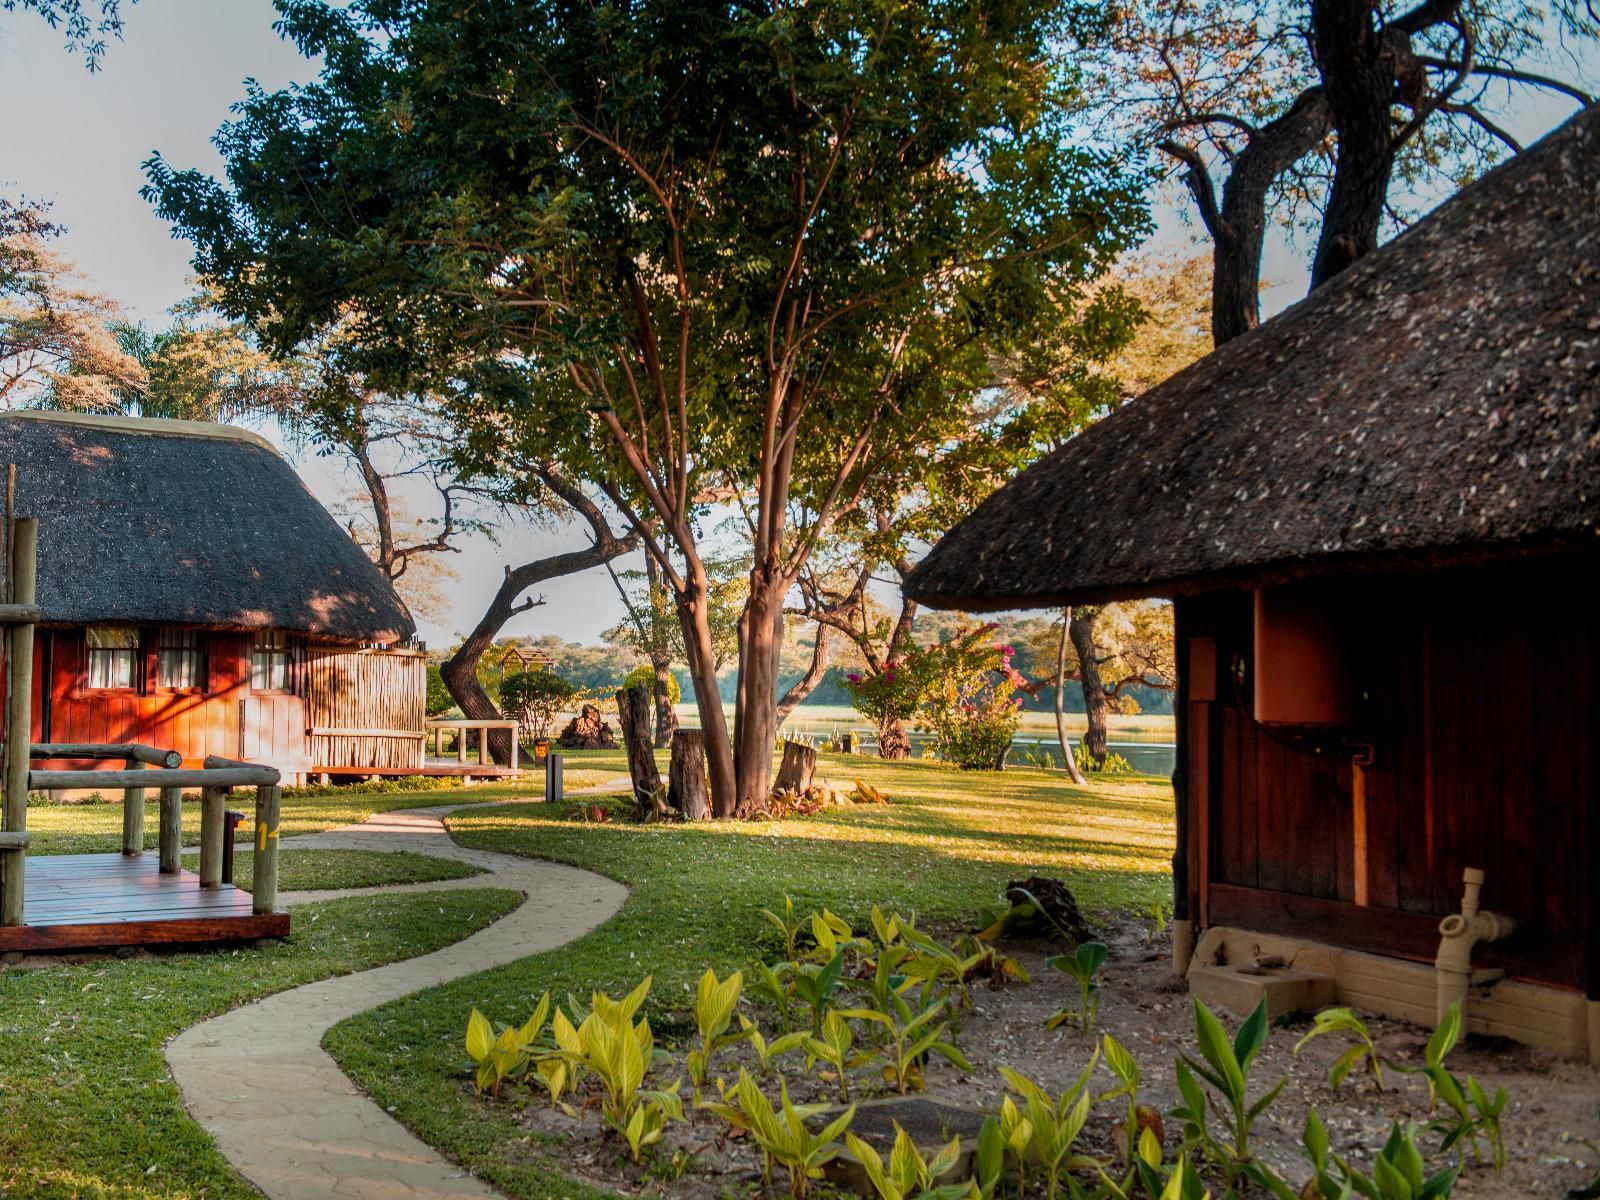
(181, 661)
(272, 663)
(113, 656)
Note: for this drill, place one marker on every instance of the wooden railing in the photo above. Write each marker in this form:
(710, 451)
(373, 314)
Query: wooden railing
(436, 730)
(145, 767)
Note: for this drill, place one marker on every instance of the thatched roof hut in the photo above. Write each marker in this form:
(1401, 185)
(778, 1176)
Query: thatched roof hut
(1438, 403)
(154, 522)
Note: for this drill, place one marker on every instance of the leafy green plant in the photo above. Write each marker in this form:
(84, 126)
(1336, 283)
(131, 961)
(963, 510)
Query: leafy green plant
(1398, 1171)
(835, 1045)
(771, 985)
(715, 1003)
(989, 1163)
(504, 1055)
(1226, 1068)
(534, 699)
(909, 1038)
(767, 1051)
(782, 1133)
(833, 937)
(937, 967)
(1471, 1109)
(815, 986)
(1053, 1124)
(1082, 966)
(908, 1175)
(1344, 1020)
(1138, 1120)
(789, 926)
(609, 1045)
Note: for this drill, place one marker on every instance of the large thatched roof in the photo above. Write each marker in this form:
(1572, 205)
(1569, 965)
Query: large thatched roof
(179, 522)
(1438, 403)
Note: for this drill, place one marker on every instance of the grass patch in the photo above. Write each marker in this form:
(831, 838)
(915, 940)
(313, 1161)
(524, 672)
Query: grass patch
(328, 870)
(943, 848)
(97, 828)
(86, 1105)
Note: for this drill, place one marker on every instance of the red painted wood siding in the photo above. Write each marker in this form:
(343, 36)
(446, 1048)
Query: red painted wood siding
(227, 719)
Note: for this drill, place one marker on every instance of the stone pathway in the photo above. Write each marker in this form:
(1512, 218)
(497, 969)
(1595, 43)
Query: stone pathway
(258, 1080)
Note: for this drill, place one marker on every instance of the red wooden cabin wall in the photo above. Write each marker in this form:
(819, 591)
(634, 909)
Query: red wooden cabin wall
(1478, 703)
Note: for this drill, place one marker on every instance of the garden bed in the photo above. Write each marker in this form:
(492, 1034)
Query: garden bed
(1551, 1102)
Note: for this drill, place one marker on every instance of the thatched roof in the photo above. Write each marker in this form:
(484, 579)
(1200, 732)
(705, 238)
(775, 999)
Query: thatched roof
(1438, 403)
(186, 523)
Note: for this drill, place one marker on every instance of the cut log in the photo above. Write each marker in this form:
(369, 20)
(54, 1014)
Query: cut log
(797, 769)
(687, 790)
(636, 714)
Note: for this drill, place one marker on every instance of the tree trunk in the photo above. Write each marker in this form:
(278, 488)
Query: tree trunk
(755, 725)
(797, 770)
(686, 775)
(701, 660)
(1061, 699)
(460, 670)
(1358, 67)
(893, 743)
(666, 717)
(634, 715)
(807, 683)
(1081, 630)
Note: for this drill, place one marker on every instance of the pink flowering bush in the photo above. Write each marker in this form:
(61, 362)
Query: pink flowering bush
(888, 697)
(970, 705)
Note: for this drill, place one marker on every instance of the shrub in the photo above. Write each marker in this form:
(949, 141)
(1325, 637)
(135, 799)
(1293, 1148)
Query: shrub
(439, 700)
(533, 699)
(967, 701)
(645, 674)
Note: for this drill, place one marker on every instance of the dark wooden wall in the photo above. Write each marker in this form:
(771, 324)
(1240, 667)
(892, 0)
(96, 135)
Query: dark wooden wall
(228, 718)
(1475, 693)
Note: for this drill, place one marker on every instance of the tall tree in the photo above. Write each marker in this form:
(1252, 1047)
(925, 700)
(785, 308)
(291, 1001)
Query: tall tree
(1329, 116)
(87, 24)
(697, 246)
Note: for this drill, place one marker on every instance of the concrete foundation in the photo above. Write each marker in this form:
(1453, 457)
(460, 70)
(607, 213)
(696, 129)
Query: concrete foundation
(1236, 967)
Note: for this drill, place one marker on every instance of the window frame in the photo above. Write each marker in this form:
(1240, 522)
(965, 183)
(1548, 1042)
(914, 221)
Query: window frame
(279, 644)
(200, 650)
(130, 651)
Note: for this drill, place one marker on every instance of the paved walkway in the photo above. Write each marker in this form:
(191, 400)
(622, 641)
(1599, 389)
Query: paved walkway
(258, 1080)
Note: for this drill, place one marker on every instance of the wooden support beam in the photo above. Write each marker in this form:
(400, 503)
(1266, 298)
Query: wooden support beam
(130, 752)
(20, 614)
(171, 837)
(187, 777)
(212, 831)
(13, 841)
(264, 878)
(19, 713)
(133, 814)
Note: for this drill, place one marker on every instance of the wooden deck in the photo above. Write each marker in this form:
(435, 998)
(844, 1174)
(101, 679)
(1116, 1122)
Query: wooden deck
(96, 901)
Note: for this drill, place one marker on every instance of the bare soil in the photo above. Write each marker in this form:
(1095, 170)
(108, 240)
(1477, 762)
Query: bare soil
(1553, 1102)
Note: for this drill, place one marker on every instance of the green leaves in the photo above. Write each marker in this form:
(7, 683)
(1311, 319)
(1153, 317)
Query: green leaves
(504, 1055)
(1344, 1020)
(782, 1133)
(1082, 965)
(908, 1175)
(1226, 1068)
(714, 1006)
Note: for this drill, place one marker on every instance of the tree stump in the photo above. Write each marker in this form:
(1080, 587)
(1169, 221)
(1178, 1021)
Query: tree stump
(797, 769)
(636, 715)
(687, 790)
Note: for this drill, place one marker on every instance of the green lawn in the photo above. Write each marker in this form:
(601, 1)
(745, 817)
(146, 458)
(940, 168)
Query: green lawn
(97, 828)
(944, 848)
(327, 870)
(86, 1106)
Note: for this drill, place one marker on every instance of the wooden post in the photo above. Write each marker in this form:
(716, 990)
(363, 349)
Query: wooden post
(686, 775)
(171, 837)
(212, 832)
(133, 815)
(23, 573)
(264, 879)
(461, 744)
(636, 715)
(797, 769)
(516, 744)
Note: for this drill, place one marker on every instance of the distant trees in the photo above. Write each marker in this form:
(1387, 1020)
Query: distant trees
(701, 250)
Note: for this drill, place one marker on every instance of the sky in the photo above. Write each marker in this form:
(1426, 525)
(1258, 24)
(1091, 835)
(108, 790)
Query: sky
(78, 140)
